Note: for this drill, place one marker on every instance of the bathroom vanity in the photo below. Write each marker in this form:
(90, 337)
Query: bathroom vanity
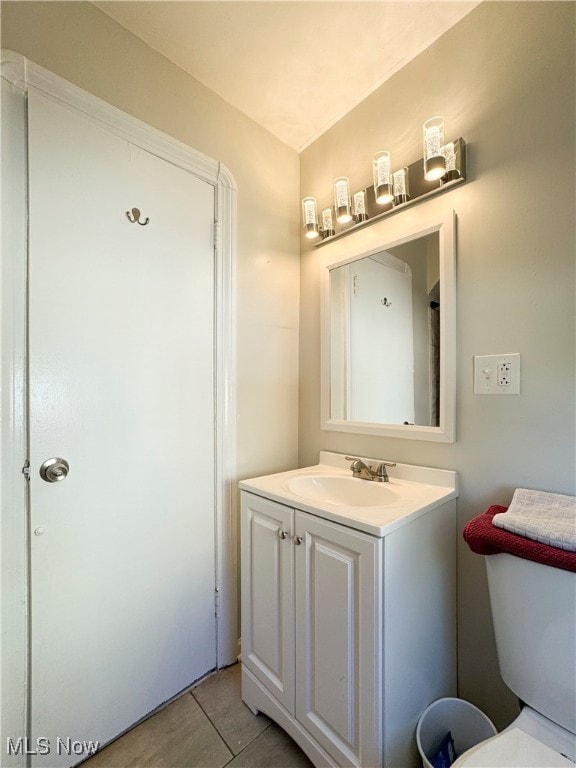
(349, 607)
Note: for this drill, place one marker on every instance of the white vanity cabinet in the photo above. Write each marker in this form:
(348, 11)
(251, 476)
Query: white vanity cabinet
(346, 636)
(311, 608)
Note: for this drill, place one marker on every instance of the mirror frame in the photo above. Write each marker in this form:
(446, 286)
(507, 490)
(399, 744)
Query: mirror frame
(383, 235)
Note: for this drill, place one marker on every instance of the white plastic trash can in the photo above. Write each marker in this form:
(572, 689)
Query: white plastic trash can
(467, 724)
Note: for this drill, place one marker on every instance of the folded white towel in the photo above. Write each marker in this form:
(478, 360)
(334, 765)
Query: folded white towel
(549, 518)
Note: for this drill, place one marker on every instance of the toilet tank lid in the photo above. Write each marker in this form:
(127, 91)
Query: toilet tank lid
(486, 539)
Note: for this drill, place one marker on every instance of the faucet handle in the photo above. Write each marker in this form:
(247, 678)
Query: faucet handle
(357, 465)
(381, 468)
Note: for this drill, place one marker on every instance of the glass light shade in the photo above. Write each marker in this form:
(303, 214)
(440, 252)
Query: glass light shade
(401, 186)
(434, 160)
(359, 206)
(382, 178)
(451, 172)
(328, 222)
(310, 218)
(342, 200)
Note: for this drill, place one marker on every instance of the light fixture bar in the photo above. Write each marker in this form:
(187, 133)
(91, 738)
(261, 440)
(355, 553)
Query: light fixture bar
(420, 189)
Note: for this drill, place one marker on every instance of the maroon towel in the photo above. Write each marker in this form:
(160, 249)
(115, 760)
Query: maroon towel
(486, 539)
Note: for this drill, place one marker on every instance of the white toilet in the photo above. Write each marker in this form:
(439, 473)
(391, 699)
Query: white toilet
(534, 613)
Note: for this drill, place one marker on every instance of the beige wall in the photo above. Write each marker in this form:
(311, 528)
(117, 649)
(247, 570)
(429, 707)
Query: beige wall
(504, 80)
(83, 45)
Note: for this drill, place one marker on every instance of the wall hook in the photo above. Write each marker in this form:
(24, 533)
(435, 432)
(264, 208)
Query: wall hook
(385, 302)
(135, 217)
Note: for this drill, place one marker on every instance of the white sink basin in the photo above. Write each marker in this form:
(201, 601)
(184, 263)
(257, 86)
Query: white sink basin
(328, 490)
(342, 491)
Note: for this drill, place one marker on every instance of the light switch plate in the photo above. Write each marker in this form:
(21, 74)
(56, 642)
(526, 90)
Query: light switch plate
(497, 374)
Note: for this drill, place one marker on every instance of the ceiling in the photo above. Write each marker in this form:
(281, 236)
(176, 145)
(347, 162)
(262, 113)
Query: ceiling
(295, 67)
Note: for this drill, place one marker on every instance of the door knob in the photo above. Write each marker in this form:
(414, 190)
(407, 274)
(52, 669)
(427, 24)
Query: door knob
(54, 470)
(298, 539)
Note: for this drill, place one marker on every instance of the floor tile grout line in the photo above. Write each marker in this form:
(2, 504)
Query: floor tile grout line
(213, 724)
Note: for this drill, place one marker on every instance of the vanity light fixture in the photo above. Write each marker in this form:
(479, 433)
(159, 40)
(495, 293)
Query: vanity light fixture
(434, 160)
(342, 200)
(401, 186)
(310, 218)
(444, 167)
(382, 175)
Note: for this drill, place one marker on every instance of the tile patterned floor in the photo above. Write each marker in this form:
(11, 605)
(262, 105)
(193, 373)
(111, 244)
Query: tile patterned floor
(209, 727)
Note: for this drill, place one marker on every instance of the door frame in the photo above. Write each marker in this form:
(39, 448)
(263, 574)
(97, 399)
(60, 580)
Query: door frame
(22, 75)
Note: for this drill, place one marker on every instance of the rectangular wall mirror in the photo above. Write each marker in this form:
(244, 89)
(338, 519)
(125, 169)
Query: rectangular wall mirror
(388, 330)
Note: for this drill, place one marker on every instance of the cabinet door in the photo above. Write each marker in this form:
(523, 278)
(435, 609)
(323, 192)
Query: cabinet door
(268, 595)
(338, 639)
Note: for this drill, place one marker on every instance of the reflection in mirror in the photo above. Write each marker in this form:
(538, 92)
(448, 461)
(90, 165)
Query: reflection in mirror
(385, 335)
(389, 328)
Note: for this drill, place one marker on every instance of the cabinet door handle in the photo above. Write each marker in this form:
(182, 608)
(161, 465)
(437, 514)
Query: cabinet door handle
(282, 534)
(298, 539)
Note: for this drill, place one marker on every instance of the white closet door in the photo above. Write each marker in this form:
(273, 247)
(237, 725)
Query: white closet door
(121, 386)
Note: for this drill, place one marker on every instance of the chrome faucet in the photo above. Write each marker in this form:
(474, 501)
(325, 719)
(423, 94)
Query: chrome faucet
(364, 472)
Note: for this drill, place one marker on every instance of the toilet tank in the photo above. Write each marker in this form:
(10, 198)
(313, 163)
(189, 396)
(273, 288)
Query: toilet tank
(534, 613)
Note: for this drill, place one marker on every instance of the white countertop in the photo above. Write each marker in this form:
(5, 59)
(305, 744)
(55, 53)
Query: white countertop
(414, 491)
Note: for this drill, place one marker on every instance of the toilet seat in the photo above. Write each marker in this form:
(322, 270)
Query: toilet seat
(514, 748)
